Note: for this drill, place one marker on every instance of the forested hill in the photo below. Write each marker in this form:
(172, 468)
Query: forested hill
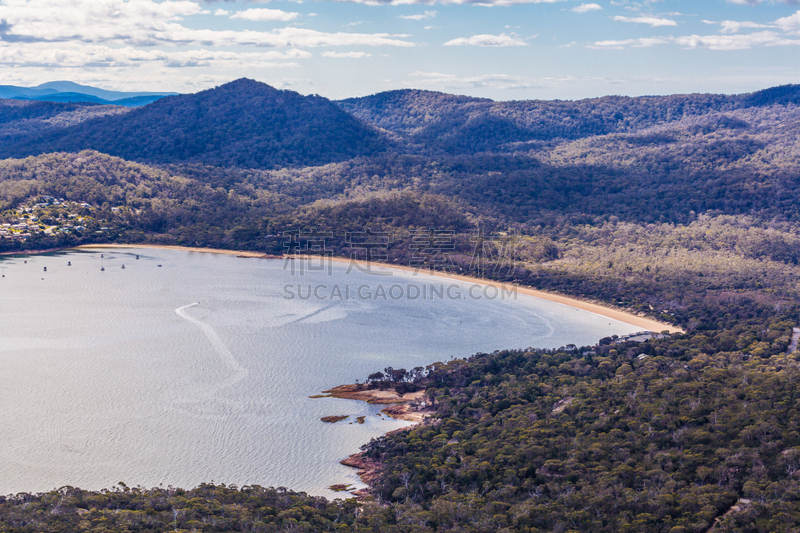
(243, 123)
(683, 208)
(247, 124)
(21, 120)
(462, 124)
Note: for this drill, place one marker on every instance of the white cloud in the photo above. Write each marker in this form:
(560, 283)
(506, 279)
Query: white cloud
(487, 40)
(286, 37)
(451, 81)
(348, 55)
(144, 23)
(585, 8)
(736, 42)
(733, 35)
(731, 26)
(759, 2)
(265, 15)
(451, 2)
(221, 13)
(652, 21)
(72, 55)
(425, 15)
(631, 43)
(790, 23)
(432, 75)
(711, 42)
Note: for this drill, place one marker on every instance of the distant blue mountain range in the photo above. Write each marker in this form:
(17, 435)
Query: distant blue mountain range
(67, 91)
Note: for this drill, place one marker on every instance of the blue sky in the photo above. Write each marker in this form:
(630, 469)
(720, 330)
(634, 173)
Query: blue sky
(500, 49)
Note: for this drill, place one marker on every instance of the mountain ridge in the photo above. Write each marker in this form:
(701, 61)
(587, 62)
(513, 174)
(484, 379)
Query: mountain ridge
(460, 124)
(249, 124)
(68, 91)
(243, 123)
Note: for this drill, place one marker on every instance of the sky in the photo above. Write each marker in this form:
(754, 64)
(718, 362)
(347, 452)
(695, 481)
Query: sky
(499, 49)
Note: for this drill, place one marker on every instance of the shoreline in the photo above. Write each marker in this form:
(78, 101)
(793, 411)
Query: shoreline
(218, 251)
(645, 323)
(399, 406)
(407, 407)
(649, 324)
(33, 252)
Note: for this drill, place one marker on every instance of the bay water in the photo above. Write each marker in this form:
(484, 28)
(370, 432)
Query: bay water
(188, 367)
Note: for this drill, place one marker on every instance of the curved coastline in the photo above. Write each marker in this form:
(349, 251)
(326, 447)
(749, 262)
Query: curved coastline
(407, 407)
(411, 407)
(645, 323)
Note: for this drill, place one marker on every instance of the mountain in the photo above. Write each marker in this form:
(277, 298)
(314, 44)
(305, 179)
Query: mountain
(682, 208)
(133, 101)
(783, 95)
(137, 101)
(65, 97)
(459, 124)
(12, 111)
(252, 125)
(67, 91)
(12, 91)
(111, 96)
(22, 121)
(243, 124)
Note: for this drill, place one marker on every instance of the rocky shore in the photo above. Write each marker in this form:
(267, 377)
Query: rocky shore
(410, 406)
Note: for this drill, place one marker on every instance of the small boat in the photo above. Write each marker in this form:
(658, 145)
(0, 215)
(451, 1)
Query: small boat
(101, 256)
(159, 266)
(45, 269)
(102, 269)
(123, 267)
(137, 257)
(69, 263)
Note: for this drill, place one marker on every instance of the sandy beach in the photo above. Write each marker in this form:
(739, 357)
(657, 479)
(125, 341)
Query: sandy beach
(409, 407)
(639, 321)
(645, 323)
(236, 253)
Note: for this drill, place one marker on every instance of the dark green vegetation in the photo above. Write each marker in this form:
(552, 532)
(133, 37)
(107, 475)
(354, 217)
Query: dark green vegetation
(684, 208)
(598, 439)
(206, 508)
(25, 120)
(460, 124)
(243, 124)
(662, 436)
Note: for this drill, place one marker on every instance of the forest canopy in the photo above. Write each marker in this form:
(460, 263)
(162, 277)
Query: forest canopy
(682, 208)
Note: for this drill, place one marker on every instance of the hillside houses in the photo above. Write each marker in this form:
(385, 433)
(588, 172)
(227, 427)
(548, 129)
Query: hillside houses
(48, 215)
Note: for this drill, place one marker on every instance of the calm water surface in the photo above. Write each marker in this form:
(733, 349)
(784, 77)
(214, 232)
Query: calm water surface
(201, 369)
